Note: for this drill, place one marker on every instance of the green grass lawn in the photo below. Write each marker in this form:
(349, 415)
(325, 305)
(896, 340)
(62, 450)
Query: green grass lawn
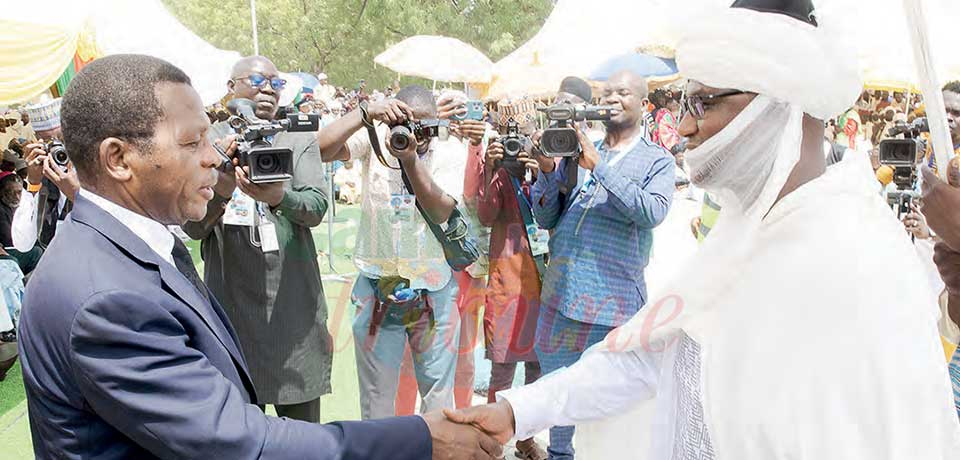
(342, 404)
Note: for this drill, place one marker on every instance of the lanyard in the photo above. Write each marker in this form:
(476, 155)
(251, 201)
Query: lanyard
(518, 187)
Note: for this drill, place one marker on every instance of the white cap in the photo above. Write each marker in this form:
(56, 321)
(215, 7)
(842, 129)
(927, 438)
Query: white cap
(321, 76)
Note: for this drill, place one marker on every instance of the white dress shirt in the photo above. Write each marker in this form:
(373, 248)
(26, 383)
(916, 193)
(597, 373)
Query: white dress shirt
(150, 231)
(24, 229)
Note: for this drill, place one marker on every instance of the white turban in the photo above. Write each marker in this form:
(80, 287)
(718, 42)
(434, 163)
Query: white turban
(774, 55)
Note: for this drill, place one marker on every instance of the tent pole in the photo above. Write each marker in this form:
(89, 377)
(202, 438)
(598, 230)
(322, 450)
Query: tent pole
(253, 19)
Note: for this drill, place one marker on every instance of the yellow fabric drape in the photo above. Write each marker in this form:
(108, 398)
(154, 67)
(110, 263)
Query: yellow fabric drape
(32, 58)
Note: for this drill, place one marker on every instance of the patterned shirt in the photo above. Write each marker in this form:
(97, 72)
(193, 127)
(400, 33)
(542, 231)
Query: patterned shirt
(391, 246)
(603, 232)
(955, 379)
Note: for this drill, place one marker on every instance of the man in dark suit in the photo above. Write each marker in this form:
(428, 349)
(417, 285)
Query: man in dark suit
(125, 352)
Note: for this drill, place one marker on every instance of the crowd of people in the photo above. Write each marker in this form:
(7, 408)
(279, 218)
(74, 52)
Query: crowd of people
(771, 343)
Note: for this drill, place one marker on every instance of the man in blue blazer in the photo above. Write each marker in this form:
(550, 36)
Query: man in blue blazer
(125, 352)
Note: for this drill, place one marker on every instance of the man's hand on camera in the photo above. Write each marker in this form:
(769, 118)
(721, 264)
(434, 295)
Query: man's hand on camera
(36, 157)
(939, 205)
(67, 181)
(454, 441)
(494, 419)
(589, 158)
(227, 180)
(405, 156)
(271, 194)
(494, 156)
(473, 130)
(545, 163)
(389, 111)
(525, 159)
(450, 106)
(915, 224)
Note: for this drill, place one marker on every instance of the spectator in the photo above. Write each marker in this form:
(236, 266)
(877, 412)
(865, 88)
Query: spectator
(325, 92)
(51, 192)
(664, 132)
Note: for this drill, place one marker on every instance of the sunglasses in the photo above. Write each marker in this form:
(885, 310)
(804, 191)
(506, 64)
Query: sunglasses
(694, 105)
(259, 81)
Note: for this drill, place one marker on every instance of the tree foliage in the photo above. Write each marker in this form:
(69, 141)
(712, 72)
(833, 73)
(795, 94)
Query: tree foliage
(341, 37)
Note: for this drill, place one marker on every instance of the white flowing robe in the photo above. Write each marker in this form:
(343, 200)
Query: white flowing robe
(825, 347)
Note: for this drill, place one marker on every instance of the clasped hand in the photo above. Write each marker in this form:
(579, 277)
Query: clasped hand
(473, 433)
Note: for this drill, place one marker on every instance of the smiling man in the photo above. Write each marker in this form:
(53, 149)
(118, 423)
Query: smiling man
(602, 231)
(775, 343)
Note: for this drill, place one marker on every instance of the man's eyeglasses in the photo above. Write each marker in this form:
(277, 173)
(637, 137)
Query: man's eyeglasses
(694, 105)
(259, 81)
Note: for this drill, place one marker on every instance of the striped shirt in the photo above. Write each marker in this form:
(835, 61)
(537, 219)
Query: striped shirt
(603, 233)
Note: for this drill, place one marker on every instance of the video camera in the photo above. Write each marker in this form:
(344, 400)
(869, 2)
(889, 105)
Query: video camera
(255, 143)
(902, 155)
(421, 130)
(560, 140)
(58, 153)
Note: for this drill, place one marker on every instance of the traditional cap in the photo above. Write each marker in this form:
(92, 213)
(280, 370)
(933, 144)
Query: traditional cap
(775, 48)
(321, 76)
(521, 111)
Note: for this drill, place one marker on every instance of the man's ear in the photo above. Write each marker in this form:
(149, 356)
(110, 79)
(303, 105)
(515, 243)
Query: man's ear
(115, 155)
(230, 86)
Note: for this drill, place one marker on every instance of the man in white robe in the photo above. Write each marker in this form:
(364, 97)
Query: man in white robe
(803, 328)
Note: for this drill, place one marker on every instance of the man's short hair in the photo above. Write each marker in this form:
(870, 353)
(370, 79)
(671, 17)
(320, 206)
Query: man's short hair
(113, 96)
(577, 87)
(953, 87)
(419, 99)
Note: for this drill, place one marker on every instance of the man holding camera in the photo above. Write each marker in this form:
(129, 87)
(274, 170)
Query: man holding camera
(406, 292)
(602, 233)
(261, 261)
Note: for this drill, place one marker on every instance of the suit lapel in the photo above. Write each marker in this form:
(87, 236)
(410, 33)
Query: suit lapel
(103, 222)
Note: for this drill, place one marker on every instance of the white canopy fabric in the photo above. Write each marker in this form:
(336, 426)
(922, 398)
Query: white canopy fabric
(139, 27)
(437, 58)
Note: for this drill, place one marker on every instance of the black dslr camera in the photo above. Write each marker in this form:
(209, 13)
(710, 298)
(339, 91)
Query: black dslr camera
(255, 142)
(513, 142)
(421, 130)
(560, 140)
(902, 155)
(58, 153)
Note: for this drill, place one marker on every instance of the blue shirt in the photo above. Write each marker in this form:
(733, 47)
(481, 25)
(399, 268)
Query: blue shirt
(602, 234)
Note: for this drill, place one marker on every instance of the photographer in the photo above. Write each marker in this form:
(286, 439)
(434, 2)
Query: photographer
(517, 256)
(406, 292)
(51, 191)
(602, 233)
(261, 259)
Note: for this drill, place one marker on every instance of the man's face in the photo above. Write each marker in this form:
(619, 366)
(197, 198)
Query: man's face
(626, 92)
(717, 113)
(174, 181)
(266, 98)
(25, 118)
(952, 101)
(898, 97)
(10, 195)
(306, 108)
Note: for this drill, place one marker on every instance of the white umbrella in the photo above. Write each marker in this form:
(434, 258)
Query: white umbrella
(437, 58)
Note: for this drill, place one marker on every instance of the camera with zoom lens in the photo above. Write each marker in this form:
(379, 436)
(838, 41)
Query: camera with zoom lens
(560, 140)
(513, 142)
(421, 130)
(58, 153)
(255, 142)
(902, 156)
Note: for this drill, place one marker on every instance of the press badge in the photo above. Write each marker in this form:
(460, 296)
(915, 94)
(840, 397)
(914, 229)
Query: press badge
(403, 207)
(539, 240)
(268, 237)
(240, 210)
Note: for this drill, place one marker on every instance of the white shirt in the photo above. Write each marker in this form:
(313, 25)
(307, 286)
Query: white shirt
(404, 247)
(24, 229)
(150, 231)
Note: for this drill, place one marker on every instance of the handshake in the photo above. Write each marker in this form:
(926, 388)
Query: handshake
(475, 433)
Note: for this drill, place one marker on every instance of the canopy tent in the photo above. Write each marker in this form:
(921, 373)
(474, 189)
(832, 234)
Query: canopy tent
(39, 39)
(437, 58)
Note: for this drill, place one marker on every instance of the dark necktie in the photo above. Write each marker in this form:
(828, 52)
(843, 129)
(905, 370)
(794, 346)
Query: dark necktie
(184, 263)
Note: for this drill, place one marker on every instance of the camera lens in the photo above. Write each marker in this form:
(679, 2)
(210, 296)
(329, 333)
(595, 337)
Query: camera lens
(399, 139)
(560, 142)
(512, 146)
(60, 157)
(267, 164)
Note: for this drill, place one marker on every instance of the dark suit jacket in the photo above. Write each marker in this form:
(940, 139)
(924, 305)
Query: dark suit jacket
(123, 358)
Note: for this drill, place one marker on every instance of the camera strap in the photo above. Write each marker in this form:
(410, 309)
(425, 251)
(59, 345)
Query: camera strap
(375, 144)
(526, 212)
